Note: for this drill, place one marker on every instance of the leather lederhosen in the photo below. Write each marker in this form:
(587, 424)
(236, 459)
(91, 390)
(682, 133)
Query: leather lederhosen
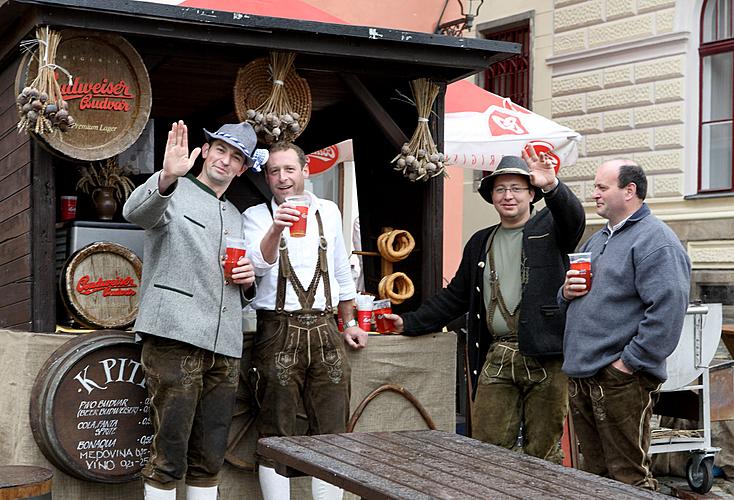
(300, 357)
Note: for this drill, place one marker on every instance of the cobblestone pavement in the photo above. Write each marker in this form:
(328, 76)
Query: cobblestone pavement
(678, 487)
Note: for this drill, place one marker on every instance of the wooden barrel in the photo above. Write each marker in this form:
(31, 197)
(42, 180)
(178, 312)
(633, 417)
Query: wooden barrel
(25, 481)
(89, 409)
(100, 285)
(109, 96)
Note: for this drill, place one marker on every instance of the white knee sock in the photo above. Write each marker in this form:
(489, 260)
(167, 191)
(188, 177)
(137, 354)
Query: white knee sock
(273, 485)
(150, 492)
(321, 490)
(199, 493)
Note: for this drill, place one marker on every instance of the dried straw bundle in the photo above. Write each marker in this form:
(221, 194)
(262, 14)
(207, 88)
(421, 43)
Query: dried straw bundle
(274, 120)
(419, 159)
(40, 105)
(108, 174)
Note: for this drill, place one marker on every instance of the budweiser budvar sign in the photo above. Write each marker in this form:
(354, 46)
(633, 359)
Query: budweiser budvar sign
(108, 94)
(99, 285)
(104, 95)
(110, 288)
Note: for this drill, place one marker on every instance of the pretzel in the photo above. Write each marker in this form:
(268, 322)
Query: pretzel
(381, 292)
(395, 245)
(398, 288)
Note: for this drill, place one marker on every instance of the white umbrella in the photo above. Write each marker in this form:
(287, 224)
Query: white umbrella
(480, 127)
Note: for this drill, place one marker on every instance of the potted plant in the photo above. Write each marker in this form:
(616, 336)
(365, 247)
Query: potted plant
(107, 182)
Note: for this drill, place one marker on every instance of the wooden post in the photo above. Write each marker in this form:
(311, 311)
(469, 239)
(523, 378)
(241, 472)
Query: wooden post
(43, 243)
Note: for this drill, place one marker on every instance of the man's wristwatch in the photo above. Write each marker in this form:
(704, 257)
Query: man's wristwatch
(352, 322)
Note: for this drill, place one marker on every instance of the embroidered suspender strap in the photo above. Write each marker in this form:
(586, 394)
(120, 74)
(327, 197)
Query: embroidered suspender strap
(498, 301)
(282, 278)
(286, 273)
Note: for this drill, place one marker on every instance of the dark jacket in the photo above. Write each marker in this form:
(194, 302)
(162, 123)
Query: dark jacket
(547, 239)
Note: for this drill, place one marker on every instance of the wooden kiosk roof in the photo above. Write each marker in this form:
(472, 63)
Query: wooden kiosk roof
(192, 56)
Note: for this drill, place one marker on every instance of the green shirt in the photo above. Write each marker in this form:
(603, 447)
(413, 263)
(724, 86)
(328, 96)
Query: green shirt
(507, 252)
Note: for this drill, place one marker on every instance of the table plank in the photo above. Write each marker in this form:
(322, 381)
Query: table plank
(501, 464)
(354, 470)
(431, 465)
(496, 471)
(435, 464)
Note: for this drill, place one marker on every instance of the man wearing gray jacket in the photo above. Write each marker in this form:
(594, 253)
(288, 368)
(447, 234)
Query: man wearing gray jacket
(190, 318)
(620, 331)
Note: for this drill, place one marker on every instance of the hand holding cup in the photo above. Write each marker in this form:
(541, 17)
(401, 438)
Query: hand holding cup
(578, 277)
(301, 204)
(397, 322)
(244, 273)
(285, 216)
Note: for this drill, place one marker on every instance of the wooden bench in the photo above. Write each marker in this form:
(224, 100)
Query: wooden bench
(427, 464)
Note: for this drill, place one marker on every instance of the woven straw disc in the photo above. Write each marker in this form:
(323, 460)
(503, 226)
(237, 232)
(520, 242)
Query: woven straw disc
(254, 85)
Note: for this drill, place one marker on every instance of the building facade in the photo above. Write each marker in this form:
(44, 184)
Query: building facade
(649, 80)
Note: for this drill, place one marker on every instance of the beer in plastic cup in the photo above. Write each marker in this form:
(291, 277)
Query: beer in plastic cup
(365, 320)
(301, 203)
(379, 309)
(68, 208)
(364, 311)
(235, 250)
(582, 262)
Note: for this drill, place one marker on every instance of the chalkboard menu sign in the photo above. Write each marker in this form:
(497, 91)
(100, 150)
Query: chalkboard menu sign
(90, 410)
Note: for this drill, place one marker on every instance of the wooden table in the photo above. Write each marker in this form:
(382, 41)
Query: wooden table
(434, 464)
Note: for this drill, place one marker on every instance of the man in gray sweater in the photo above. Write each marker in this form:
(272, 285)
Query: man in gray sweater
(190, 317)
(619, 333)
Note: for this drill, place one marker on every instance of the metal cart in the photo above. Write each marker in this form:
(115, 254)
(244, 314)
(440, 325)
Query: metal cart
(688, 370)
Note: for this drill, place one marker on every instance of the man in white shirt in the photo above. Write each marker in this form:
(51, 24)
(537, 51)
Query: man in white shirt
(299, 355)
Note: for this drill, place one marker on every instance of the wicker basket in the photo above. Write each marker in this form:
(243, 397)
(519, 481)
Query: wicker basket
(254, 85)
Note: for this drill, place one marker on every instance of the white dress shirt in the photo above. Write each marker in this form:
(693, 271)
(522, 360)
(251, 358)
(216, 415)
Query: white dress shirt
(303, 254)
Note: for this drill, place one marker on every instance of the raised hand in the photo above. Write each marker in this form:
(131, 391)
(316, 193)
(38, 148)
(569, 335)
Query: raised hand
(542, 173)
(176, 160)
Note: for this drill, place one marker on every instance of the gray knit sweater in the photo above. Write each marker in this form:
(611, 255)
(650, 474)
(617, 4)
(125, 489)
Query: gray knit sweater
(183, 293)
(637, 303)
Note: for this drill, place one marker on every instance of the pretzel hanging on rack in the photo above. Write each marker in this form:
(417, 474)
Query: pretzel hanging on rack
(397, 287)
(395, 245)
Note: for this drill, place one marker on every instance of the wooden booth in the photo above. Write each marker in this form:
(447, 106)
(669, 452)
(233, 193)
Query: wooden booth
(127, 70)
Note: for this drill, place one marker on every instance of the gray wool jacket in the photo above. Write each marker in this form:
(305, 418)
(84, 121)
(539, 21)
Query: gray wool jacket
(637, 302)
(183, 293)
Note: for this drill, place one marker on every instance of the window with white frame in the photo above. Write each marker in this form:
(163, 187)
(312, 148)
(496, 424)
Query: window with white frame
(717, 111)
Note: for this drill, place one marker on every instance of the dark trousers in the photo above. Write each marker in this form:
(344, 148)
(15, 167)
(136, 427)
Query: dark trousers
(192, 394)
(611, 416)
(300, 363)
(513, 388)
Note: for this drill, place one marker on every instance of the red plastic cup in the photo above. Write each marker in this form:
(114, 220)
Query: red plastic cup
(380, 308)
(235, 250)
(365, 320)
(68, 208)
(582, 262)
(301, 203)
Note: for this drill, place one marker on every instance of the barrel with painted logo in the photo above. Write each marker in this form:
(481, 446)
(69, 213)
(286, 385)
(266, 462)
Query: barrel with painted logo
(89, 409)
(100, 285)
(106, 85)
